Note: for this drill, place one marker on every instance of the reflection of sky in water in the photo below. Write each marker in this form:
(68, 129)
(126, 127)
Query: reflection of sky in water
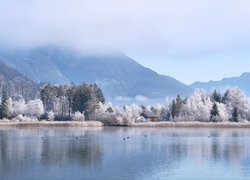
(96, 153)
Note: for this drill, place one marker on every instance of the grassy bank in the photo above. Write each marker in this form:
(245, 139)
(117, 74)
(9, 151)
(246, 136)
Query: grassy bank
(165, 124)
(51, 124)
(192, 125)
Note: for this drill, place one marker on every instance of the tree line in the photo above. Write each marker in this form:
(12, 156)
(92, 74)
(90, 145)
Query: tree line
(87, 102)
(66, 100)
(56, 102)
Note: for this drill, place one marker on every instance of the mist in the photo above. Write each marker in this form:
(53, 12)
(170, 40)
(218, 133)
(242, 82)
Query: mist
(164, 31)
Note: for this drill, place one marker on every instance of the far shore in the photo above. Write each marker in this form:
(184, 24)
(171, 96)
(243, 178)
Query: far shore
(165, 124)
(186, 124)
(50, 124)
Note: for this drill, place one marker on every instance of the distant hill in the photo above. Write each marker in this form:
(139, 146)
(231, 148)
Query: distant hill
(117, 74)
(16, 84)
(243, 82)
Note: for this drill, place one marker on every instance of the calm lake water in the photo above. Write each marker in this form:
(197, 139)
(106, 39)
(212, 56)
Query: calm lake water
(102, 153)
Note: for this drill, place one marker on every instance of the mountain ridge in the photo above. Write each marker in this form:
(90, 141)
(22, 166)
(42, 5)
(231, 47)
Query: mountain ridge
(116, 73)
(241, 81)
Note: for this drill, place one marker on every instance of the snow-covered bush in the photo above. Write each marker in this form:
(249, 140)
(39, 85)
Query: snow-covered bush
(51, 116)
(78, 116)
(20, 117)
(19, 107)
(34, 108)
(110, 115)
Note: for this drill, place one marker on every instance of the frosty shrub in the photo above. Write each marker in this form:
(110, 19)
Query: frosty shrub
(20, 117)
(18, 107)
(77, 116)
(51, 116)
(34, 108)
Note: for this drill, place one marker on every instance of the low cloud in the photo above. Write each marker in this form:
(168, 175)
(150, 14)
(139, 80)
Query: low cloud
(165, 32)
(141, 98)
(146, 27)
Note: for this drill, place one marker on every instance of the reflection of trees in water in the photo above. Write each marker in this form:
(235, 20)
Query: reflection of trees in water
(23, 150)
(228, 148)
(85, 151)
(15, 152)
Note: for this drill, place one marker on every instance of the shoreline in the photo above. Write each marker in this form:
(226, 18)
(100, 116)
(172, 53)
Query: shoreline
(184, 124)
(51, 124)
(165, 124)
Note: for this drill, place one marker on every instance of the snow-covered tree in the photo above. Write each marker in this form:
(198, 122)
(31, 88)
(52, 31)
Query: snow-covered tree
(51, 116)
(34, 108)
(78, 116)
(18, 107)
(236, 102)
(198, 107)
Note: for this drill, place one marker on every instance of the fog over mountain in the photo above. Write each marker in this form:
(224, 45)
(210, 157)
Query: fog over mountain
(119, 76)
(16, 84)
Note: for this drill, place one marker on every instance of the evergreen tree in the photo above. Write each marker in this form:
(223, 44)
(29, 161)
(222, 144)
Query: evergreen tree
(98, 93)
(173, 109)
(1, 112)
(83, 99)
(225, 98)
(235, 115)
(69, 95)
(216, 97)
(5, 112)
(47, 95)
(214, 113)
(178, 105)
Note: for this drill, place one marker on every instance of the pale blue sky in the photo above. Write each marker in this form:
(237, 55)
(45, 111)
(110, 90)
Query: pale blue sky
(188, 39)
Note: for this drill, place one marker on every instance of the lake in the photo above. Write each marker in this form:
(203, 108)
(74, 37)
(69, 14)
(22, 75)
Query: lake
(124, 153)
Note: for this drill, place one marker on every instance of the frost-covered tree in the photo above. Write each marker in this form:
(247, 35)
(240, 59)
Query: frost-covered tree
(78, 116)
(236, 101)
(34, 108)
(198, 106)
(51, 116)
(68, 99)
(223, 113)
(18, 107)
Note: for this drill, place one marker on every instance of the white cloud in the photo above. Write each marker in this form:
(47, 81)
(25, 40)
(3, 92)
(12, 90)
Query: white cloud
(147, 26)
(161, 31)
(141, 98)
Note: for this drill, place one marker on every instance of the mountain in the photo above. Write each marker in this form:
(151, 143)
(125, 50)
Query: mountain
(117, 74)
(16, 84)
(243, 82)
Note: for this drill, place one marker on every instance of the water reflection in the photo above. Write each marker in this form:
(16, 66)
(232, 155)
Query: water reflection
(78, 153)
(22, 150)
